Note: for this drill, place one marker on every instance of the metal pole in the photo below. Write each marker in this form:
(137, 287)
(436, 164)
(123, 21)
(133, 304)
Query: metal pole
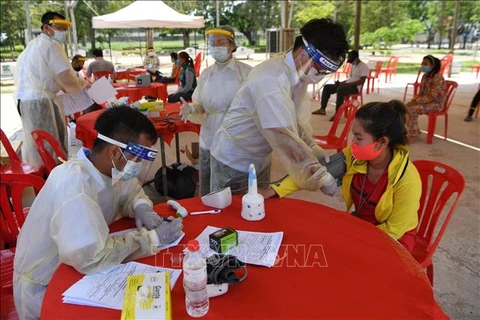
(68, 44)
(218, 13)
(74, 29)
(454, 33)
(29, 22)
(358, 12)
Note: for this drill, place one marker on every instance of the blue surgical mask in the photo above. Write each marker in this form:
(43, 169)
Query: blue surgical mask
(60, 36)
(219, 54)
(425, 69)
(178, 63)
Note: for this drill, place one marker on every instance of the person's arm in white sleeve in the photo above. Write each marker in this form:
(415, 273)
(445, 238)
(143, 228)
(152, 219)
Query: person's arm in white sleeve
(79, 229)
(61, 67)
(188, 82)
(197, 97)
(69, 81)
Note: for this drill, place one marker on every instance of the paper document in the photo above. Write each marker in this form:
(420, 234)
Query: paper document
(101, 90)
(106, 289)
(253, 247)
(166, 246)
(75, 102)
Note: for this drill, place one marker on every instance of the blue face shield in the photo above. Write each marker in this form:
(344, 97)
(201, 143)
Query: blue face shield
(327, 64)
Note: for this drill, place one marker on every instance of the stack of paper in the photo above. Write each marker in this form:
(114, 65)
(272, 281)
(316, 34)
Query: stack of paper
(106, 289)
(253, 247)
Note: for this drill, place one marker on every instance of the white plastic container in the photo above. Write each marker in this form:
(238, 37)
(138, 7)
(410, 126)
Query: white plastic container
(195, 281)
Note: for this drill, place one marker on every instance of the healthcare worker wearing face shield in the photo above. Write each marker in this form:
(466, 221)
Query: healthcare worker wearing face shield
(43, 69)
(216, 89)
(271, 112)
(70, 217)
(152, 63)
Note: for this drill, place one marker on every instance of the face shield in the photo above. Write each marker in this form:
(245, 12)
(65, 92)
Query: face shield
(219, 43)
(138, 159)
(320, 67)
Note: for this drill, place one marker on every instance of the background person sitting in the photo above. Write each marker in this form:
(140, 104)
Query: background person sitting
(100, 65)
(188, 80)
(78, 61)
(175, 70)
(378, 179)
(152, 63)
(352, 85)
(473, 106)
(431, 97)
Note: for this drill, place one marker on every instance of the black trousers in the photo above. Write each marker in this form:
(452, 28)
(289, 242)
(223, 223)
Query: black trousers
(474, 104)
(341, 92)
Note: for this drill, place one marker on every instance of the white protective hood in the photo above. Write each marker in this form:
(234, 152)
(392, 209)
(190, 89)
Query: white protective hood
(147, 14)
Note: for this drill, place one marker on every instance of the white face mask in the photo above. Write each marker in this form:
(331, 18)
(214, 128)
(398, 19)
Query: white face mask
(131, 170)
(219, 54)
(59, 36)
(312, 76)
(151, 54)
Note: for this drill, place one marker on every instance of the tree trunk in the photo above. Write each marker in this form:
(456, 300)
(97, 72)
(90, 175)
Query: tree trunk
(186, 38)
(249, 36)
(84, 40)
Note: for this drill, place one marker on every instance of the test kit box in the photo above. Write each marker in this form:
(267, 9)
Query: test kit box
(147, 296)
(223, 240)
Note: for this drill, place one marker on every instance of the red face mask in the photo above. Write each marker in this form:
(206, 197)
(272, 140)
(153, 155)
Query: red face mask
(367, 152)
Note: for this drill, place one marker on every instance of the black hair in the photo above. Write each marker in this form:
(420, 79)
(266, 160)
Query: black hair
(353, 54)
(123, 124)
(436, 65)
(77, 57)
(385, 119)
(325, 35)
(185, 56)
(97, 52)
(50, 15)
(174, 55)
(150, 48)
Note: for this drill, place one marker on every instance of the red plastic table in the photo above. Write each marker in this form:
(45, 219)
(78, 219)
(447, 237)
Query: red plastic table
(129, 74)
(331, 265)
(155, 89)
(86, 133)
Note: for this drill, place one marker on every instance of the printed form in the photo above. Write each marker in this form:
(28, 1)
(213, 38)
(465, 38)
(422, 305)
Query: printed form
(106, 289)
(257, 248)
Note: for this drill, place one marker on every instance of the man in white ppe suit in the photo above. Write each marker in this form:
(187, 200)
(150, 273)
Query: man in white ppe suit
(271, 113)
(69, 219)
(43, 69)
(214, 93)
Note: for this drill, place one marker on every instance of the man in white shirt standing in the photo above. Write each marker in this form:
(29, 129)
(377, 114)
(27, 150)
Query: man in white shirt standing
(352, 85)
(43, 69)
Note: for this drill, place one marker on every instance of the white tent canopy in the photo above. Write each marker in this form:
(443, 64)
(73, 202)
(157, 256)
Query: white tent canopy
(147, 14)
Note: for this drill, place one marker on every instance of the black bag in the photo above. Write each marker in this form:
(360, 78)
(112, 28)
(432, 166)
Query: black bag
(181, 181)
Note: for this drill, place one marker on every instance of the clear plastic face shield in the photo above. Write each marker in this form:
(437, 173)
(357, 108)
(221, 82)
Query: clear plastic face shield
(320, 68)
(220, 44)
(138, 160)
(59, 29)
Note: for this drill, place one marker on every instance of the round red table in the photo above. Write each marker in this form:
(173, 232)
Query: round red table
(331, 265)
(134, 93)
(129, 74)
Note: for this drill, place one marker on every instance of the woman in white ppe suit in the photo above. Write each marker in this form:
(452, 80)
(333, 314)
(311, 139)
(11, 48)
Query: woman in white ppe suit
(271, 112)
(216, 89)
(42, 70)
(69, 220)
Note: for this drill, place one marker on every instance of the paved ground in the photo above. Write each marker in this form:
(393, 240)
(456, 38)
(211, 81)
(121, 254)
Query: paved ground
(457, 260)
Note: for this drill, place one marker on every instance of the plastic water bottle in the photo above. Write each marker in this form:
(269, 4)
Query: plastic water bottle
(195, 281)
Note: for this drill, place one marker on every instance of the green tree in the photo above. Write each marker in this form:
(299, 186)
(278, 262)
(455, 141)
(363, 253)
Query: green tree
(310, 9)
(12, 22)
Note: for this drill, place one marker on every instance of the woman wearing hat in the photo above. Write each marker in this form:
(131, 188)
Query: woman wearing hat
(216, 89)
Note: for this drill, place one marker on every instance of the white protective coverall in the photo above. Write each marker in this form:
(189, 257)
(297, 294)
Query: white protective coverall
(216, 89)
(69, 223)
(43, 69)
(270, 112)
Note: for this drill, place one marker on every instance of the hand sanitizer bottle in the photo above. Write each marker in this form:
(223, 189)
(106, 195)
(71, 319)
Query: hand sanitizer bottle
(253, 206)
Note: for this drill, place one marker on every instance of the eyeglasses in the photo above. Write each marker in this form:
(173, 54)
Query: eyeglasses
(320, 70)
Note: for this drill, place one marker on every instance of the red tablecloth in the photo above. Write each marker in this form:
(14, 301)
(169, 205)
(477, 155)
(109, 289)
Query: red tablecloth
(333, 266)
(127, 74)
(85, 124)
(155, 89)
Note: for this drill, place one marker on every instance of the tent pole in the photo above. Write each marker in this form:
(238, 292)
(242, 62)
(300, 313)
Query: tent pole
(195, 41)
(110, 46)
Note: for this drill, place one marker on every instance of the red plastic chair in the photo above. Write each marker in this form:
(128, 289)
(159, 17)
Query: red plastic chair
(331, 140)
(374, 75)
(445, 63)
(356, 96)
(197, 64)
(347, 67)
(391, 68)
(16, 165)
(451, 87)
(475, 68)
(416, 86)
(439, 184)
(40, 137)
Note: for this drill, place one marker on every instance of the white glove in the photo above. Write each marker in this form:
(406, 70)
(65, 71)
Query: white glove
(320, 154)
(330, 186)
(185, 109)
(144, 215)
(169, 231)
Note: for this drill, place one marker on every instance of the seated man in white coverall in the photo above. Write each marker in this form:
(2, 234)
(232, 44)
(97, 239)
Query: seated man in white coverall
(214, 93)
(271, 112)
(70, 218)
(43, 69)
